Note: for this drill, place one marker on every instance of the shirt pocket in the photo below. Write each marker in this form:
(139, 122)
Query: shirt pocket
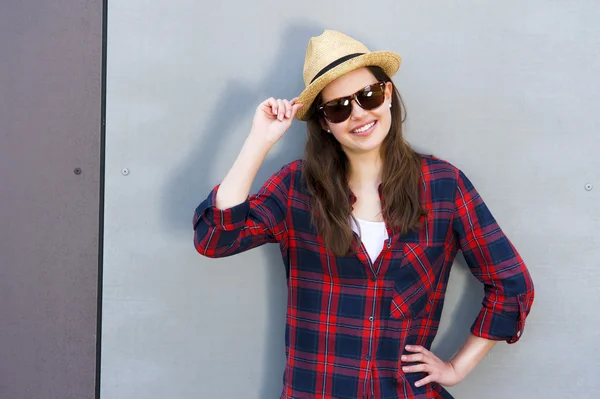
(414, 280)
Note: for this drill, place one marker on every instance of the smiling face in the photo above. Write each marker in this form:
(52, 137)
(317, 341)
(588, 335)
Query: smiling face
(365, 130)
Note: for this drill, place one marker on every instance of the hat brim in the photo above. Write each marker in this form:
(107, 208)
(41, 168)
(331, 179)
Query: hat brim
(388, 61)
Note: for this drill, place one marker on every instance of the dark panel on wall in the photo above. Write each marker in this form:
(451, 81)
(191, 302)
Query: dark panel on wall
(50, 138)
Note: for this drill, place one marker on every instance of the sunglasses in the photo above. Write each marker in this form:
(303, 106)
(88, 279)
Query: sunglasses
(340, 109)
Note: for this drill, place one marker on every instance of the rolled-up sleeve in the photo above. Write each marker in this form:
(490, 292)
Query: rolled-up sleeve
(493, 260)
(260, 219)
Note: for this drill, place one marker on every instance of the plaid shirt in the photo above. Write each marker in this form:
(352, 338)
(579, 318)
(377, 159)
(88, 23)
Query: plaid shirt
(348, 318)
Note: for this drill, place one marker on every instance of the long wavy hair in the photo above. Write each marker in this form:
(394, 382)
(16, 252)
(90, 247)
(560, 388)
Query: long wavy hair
(326, 168)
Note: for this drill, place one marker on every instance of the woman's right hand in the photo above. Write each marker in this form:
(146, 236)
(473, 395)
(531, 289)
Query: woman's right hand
(273, 118)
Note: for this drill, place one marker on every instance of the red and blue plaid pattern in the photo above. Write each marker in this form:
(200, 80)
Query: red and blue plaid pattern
(349, 319)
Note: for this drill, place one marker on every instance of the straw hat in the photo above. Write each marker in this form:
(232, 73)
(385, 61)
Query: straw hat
(333, 54)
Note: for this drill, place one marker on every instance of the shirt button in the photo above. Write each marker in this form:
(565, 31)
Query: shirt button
(371, 318)
(368, 357)
(373, 278)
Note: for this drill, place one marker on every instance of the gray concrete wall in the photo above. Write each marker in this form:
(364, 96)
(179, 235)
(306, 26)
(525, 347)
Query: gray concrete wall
(507, 91)
(50, 106)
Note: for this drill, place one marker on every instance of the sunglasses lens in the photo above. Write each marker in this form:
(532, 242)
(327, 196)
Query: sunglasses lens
(371, 97)
(338, 111)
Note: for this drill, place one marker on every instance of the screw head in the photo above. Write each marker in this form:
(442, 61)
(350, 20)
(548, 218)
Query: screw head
(77, 171)
(589, 187)
(124, 171)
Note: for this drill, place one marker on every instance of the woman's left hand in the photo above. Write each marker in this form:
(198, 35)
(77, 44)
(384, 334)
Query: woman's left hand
(439, 371)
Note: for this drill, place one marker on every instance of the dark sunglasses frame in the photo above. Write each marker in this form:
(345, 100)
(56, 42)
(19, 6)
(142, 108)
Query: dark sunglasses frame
(355, 97)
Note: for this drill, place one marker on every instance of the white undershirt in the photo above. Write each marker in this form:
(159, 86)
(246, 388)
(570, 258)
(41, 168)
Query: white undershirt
(372, 235)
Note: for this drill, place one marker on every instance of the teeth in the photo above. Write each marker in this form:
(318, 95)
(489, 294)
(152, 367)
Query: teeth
(364, 128)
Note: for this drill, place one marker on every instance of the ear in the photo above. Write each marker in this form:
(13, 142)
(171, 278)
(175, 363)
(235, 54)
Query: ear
(324, 124)
(389, 87)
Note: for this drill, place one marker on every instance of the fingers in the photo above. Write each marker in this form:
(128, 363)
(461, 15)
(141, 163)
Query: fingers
(420, 357)
(288, 108)
(424, 381)
(427, 362)
(419, 368)
(270, 106)
(281, 108)
(295, 109)
(417, 348)
(423, 357)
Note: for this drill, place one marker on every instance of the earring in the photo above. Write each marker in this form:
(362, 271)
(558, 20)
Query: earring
(328, 131)
(390, 105)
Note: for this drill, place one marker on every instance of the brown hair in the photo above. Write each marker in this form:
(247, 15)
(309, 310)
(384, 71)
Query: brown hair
(326, 168)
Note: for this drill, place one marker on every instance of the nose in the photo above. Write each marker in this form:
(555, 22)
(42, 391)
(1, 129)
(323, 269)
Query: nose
(357, 111)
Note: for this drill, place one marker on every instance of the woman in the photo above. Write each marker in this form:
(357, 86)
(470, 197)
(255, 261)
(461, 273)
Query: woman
(368, 230)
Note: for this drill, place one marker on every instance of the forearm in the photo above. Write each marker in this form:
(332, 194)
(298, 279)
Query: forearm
(235, 188)
(470, 354)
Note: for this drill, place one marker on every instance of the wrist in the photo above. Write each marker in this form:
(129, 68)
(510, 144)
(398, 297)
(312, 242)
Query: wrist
(257, 143)
(257, 147)
(459, 370)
